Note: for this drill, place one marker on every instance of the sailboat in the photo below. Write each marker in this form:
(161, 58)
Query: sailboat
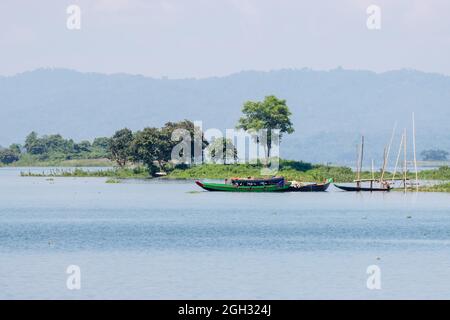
(383, 185)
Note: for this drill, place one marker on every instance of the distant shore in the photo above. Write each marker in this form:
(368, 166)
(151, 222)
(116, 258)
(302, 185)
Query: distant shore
(291, 170)
(27, 162)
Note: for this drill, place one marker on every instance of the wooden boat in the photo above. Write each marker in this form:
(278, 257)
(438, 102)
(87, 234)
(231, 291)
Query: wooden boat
(284, 187)
(383, 185)
(359, 188)
(313, 187)
(257, 182)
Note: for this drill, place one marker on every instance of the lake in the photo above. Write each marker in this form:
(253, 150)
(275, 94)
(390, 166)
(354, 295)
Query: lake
(153, 239)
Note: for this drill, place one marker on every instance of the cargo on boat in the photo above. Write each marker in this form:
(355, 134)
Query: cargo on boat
(257, 182)
(275, 184)
(312, 187)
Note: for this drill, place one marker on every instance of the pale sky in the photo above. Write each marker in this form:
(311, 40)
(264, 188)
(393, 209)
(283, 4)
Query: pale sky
(202, 38)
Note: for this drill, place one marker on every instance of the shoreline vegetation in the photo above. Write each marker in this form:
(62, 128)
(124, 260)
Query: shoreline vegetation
(171, 151)
(442, 187)
(73, 163)
(291, 170)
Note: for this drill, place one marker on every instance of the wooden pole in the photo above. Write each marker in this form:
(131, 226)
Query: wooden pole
(384, 164)
(388, 151)
(359, 163)
(398, 157)
(362, 155)
(358, 156)
(405, 164)
(373, 170)
(414, 147)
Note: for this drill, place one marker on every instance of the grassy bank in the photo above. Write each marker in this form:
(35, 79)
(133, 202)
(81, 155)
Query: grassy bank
(216, 171)
(443, 173)
(443, 187)
(33, 162)
(116, 173)
(291, 170)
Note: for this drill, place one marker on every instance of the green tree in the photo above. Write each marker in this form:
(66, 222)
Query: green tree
(8, 156)
(120, 146)
(101, 143)
(270, 114)
(100, 148)
(198, 141)
(16, 148)
(49, 146)
(34, 145)
(222, 149)
(152, 145)
(82, 147)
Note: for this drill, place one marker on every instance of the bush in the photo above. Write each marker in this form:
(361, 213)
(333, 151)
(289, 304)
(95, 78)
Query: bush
(295, 165)
(8, 156)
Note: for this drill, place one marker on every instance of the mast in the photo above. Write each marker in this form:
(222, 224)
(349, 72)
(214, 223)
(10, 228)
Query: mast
(388, 151)
(414, 147)
(362, 156)
(405, 164)
(398, 157)
(384, 164)
(359, 162)
(358, 156)
(373, 170)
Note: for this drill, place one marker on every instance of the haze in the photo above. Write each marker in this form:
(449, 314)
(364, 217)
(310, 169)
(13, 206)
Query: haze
(202, 38)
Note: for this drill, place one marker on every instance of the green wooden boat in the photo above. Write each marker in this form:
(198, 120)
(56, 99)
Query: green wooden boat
(243, 188)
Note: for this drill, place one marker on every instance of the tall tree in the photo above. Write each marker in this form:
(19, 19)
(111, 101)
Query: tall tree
(100, 147)
(198, 141)
(34, 145)
(101, 143)
(270, 114)
(151, 145)
(8, 156)
(16, 148)
(120, 146)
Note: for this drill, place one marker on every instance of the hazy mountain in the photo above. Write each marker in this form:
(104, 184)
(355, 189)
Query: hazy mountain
(330, 108)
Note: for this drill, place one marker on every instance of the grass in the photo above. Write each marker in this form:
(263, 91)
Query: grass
(29, 161)
(116, 173)
(291, 170)
(112, 180)
(443, 173)
(443, 187)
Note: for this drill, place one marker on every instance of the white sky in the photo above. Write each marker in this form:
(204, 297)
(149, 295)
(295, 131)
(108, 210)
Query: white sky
(200, 38)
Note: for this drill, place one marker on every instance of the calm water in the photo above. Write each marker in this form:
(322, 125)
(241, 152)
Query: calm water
(167, 240)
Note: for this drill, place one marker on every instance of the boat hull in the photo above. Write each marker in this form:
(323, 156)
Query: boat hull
(311, 188)
(234, 188)
(361, 189)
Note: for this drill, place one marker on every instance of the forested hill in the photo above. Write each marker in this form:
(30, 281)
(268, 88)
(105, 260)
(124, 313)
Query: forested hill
(330, 108)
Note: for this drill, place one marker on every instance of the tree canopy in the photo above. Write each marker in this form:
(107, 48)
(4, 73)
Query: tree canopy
(55, 147)
(270, 114)
(8, 156)
(151, 145)
(120, 146)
